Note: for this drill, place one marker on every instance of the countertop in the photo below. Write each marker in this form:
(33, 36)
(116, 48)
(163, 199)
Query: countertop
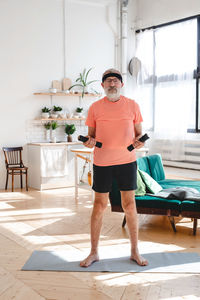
(54, 144)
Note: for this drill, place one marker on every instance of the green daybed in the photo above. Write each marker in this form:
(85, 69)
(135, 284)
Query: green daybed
(148, 204)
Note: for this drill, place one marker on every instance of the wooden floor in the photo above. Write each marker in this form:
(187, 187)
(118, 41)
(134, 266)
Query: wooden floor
(51, 220)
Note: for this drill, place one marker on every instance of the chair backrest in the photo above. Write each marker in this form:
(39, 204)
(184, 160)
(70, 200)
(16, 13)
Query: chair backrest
(13, 156)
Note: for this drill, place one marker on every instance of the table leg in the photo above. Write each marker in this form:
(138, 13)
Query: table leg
(76, 177)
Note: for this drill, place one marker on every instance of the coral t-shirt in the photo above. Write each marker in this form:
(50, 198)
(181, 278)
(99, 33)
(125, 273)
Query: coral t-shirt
(114, 124)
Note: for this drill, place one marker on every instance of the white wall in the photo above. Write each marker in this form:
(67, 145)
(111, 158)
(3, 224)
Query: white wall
(155, 12)
(32, 55)
(32, 52)
(89, 39)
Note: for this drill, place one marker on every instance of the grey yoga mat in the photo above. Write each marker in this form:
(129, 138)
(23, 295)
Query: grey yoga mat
(163, 262)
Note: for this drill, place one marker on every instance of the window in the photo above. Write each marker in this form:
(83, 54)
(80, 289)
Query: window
(168, 91)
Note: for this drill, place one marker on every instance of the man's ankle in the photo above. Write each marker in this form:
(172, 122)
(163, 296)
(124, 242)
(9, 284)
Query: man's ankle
(94, 252)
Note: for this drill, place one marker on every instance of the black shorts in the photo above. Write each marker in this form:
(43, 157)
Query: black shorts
(126, 176)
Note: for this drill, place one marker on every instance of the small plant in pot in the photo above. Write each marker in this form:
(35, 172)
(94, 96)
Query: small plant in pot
(69, 130)
(56, 111)
(45, 112)
(54, 125)
(79, 111)
(82, 82)
(47, 126)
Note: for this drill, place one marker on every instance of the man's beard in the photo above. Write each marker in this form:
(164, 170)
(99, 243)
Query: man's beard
(113, 93)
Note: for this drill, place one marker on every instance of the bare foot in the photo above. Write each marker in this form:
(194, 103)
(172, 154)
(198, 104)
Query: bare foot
(138, 258)
(89, 260)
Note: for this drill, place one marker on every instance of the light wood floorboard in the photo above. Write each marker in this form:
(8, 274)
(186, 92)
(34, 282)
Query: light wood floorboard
(52, 220)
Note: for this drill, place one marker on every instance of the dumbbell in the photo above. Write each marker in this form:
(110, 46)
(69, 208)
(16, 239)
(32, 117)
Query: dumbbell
(142, 139)
(84, 139)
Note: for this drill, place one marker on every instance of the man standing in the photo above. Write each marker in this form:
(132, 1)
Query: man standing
(115, 121)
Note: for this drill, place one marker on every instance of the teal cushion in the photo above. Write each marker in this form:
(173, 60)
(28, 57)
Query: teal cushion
(156, 167)
(141, 187)
(154, 202)
(150, 183)
(188, 205)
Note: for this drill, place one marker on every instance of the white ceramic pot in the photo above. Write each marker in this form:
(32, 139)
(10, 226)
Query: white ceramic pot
(54, 115)
(52, 90)
(79, 115)
(47, 135)
(45, 115)
(53, 136)
(59, 113)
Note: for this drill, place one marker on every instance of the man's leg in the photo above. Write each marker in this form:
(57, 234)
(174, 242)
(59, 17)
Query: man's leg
(129, 207)
(100, 204)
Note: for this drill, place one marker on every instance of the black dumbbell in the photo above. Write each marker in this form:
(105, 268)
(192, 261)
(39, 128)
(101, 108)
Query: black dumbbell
(142, 139)
(84, 139)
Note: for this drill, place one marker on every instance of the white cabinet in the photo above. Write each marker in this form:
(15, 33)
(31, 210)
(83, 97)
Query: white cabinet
(51, 165)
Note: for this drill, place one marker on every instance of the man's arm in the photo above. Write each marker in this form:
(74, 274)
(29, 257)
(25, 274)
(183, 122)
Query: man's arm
(138, 133)
(91, 131)
(90, 143)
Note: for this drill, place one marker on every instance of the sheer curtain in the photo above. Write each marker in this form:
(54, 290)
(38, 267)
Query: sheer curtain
(166, 88)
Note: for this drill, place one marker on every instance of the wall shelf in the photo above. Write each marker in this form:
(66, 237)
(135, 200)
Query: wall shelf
(61, 119)
(65, 94)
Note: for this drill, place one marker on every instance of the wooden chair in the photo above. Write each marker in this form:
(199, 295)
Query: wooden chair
(14, 165)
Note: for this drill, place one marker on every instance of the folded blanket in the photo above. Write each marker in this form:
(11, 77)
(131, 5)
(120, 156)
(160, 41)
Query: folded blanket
(179, 193)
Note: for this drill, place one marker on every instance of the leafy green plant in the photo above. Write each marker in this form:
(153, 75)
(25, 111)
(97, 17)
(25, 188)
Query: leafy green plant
(57, 108)
(79, 109)
(70, 129)
(47, 125)
(83, 81)
(46, 109)
(54, 125)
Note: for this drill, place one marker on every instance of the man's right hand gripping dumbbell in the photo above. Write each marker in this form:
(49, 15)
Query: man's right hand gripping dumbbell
(89, 141)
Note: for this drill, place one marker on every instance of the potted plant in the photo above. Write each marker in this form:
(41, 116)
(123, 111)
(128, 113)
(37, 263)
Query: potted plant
(56, 111)
(47, 126)
(54, 125)
(82, 81)
(79, 111)
(45, 112)
(69, 130)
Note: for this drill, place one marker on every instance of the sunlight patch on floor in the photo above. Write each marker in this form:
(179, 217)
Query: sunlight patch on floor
(120, 279)
(14, 196)
(55, 210)
(76, 237)
(187, 297)
(4, 205)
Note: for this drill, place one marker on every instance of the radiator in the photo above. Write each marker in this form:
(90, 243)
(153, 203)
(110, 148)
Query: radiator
(192, 157)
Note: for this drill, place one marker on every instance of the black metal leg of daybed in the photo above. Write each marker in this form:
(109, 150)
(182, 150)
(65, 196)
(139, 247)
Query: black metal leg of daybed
(124, 221)
(194, 226)
(171, 219)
